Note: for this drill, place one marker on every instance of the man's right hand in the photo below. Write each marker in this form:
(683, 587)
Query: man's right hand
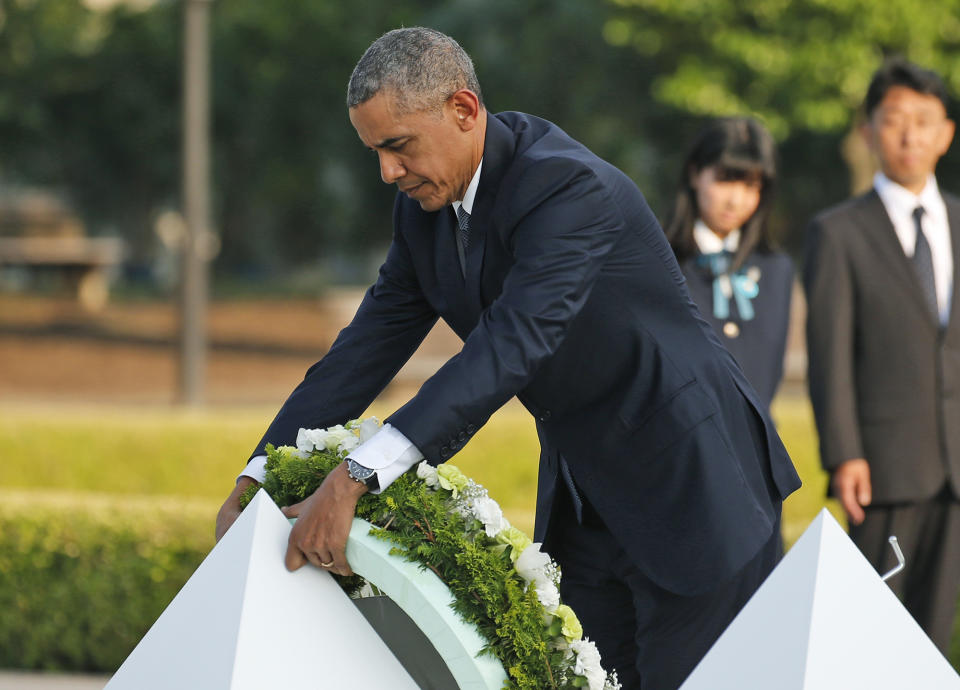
(230, 510)
(851, 484)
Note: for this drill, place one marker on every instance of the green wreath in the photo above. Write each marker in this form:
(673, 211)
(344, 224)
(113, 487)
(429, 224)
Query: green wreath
(438, 518)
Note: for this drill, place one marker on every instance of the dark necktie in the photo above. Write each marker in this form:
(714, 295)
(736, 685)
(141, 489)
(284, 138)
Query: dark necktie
(463, 237)
(923, 265)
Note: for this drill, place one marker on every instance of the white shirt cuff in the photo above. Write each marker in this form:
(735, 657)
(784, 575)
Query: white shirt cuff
(256, 469)
(388, 452)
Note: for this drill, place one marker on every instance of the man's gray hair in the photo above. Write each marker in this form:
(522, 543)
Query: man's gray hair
(422, 67)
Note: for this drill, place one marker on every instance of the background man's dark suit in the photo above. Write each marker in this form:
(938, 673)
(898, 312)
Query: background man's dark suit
(573, 302)
(884, 380)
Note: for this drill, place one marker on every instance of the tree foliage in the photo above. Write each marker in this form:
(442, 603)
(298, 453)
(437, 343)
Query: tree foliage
(798, 64)
(90, 102)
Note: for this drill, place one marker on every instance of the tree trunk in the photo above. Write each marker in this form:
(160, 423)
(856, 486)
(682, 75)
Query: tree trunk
(860, 161)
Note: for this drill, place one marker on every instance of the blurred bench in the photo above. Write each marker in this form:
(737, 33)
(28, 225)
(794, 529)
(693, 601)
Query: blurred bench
(43, 238)
(82, 262)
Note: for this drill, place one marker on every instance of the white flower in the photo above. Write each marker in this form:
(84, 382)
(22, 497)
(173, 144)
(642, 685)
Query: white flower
(487, 511)
(588, 664)
(534, 566)
(428, 473)
(532, 563)
(308, 439)
(547, 594)
(368, 427)
(338, 437)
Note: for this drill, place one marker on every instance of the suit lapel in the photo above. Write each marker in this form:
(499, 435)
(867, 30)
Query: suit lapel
(872, 217)
(497, 152)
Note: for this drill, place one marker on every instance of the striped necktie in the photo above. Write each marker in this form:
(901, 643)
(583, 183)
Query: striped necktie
(463, 219)
(463, 237)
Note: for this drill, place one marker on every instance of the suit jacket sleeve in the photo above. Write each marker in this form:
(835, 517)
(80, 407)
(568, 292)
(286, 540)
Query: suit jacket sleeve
(831, 343)
(389, 325)
(561, 225)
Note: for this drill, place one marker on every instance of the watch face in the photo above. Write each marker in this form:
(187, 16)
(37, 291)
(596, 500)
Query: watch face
(358, 471)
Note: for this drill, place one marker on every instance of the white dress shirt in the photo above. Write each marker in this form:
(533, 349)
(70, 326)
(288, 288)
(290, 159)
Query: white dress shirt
(709, 242)
(388, 451)
(900, 204)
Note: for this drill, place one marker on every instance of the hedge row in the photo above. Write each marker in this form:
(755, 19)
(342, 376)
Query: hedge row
(82, 576)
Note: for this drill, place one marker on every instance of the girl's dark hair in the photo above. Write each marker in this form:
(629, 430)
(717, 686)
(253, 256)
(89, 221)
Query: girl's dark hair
(740, 148)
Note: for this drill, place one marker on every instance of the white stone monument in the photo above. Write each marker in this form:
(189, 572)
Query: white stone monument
(823, 620)
(243, 622)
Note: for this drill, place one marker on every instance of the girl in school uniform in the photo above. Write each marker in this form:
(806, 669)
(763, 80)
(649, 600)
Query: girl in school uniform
(719, 233)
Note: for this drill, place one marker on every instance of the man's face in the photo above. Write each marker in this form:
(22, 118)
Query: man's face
(428, 155)
(909, 132)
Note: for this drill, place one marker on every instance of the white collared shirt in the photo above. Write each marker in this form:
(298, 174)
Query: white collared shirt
(900, 204)
(709, 242)
(388, 451)
(471, 193)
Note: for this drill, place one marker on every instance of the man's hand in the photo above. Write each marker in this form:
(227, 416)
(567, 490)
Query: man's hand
(230, 510)
(323, 524)
(851, 484)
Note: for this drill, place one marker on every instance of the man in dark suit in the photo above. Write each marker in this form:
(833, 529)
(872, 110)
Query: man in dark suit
(661, 478)
(884, 347)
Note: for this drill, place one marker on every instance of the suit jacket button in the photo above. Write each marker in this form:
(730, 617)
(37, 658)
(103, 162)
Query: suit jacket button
(463, 436)
(545, 416)
(444, 452)
(731, 329)
(471, 428)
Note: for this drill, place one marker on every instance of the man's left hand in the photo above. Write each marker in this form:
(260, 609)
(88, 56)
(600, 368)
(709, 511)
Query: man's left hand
(323, 524)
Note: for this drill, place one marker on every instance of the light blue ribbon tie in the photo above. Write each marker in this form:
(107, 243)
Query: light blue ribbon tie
(743, 288)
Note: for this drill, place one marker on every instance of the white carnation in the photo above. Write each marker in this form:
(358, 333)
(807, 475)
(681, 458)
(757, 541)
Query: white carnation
(532, 563)
(547, 594)
(487, 511)
(588, 664)
(308, 439)
(428, 473)
(336, 436)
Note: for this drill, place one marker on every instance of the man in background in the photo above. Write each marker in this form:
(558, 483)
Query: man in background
(883, 338)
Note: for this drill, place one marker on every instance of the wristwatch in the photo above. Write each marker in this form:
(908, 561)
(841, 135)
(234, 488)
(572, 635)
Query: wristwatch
(363, 475)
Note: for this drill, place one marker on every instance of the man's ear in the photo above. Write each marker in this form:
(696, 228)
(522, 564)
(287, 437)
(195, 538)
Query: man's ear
(466, 108)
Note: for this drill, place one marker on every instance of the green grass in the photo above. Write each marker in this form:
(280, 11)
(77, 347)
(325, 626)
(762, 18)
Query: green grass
(794, 418)
(163, 451)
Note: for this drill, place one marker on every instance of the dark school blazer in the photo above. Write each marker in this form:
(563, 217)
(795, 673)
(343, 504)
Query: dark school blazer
(759, 344)
(574, 303)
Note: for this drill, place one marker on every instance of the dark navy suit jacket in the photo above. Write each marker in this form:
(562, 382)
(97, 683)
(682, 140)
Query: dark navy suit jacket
(573, 302)
(759, 344)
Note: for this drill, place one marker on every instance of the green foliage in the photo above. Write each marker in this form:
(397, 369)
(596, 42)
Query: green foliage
(147, 451)
(427, 527)
(82, 577)
(801, 64)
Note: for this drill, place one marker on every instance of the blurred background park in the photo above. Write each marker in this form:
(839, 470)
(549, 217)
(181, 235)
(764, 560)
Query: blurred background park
(113, 466)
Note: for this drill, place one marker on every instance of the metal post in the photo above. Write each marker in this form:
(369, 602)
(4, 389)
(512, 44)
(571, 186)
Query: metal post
(196, 199)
